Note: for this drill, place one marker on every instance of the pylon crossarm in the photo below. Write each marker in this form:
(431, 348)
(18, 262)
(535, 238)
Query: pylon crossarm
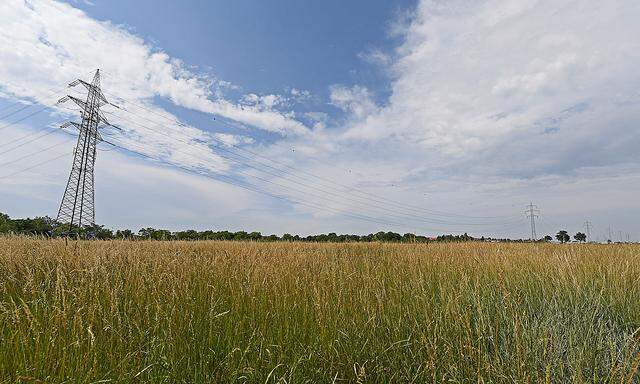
(102, 118)
(92, 88)
(79, 102)
(67, 124)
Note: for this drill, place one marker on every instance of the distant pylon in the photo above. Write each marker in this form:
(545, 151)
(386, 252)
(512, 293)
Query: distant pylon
(532, 212)
(77, 208)
(587, 227)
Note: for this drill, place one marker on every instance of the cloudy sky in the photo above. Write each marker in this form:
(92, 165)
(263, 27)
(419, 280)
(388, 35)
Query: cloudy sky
(306, 116)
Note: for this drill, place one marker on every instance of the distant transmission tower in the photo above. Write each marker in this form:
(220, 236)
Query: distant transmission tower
(587, 227)
(532, 212)
(77, 208)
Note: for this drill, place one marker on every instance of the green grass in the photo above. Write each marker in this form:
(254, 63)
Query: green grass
(277, 312)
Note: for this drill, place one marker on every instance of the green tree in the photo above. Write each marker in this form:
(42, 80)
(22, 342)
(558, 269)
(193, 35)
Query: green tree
(6, 224)
(240, 235)
(548, 238)
(254, 236)
(96, 232)
(581, 237)
(146, 232)
(125, 234)
(35, 226)
(563, 236)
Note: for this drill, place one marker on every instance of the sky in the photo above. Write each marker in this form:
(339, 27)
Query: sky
(304, 117)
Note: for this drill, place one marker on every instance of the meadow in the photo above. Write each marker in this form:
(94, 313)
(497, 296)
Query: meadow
(183, 312)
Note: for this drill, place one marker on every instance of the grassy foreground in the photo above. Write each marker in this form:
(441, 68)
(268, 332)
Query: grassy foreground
(268, 312)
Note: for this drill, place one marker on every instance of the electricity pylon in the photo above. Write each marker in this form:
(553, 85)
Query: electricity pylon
(587, 227)
(77, 208)
(532, 212)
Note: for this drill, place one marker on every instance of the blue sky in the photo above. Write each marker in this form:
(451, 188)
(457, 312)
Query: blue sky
(269, 48)
(266, 45)
(422, 116)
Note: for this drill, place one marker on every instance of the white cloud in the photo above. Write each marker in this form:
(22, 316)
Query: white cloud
(355, 100)
(231, 140)
(53, 43)
(376, 56)
(491, 79)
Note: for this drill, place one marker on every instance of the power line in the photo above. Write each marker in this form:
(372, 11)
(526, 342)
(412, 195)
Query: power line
(313, 188)
(51, 91)
(31, 154)
(24, 118)
(16, 111)
(33, 166)
(11, 105)
(587, 227)
(252, 188)
(376, 198)
(45, 134)
(271, 182)
(357, 199)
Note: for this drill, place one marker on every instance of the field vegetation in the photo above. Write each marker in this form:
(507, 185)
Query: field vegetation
(205, 311)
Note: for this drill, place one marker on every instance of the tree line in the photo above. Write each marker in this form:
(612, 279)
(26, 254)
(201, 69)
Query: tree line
(45, 226)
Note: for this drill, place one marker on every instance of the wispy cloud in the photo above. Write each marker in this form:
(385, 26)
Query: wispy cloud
(492, 80)
(53, 43)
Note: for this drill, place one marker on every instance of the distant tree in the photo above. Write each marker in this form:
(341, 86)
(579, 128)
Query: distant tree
(161, 234)
(563, 236)
(35, 226)
(240, 235)
(225, 235)
(124, 234)
(255, 236)
(187, 235)
(146, 232)
(581, 237)
(548, 238)
(409, 238)
(287, 237)
(96, 232)
(6, 224)
(272, 238)
(48, 227)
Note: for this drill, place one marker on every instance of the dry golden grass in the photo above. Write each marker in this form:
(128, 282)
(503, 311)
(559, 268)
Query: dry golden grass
(268, 312)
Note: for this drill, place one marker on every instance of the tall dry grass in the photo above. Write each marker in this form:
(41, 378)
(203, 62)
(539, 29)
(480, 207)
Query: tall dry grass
(267, 312)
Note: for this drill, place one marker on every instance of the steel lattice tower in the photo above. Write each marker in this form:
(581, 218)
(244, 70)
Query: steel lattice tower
(532, 212)
(77, 208)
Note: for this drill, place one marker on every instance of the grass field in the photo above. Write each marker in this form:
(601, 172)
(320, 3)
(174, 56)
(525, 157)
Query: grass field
(297, 312)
